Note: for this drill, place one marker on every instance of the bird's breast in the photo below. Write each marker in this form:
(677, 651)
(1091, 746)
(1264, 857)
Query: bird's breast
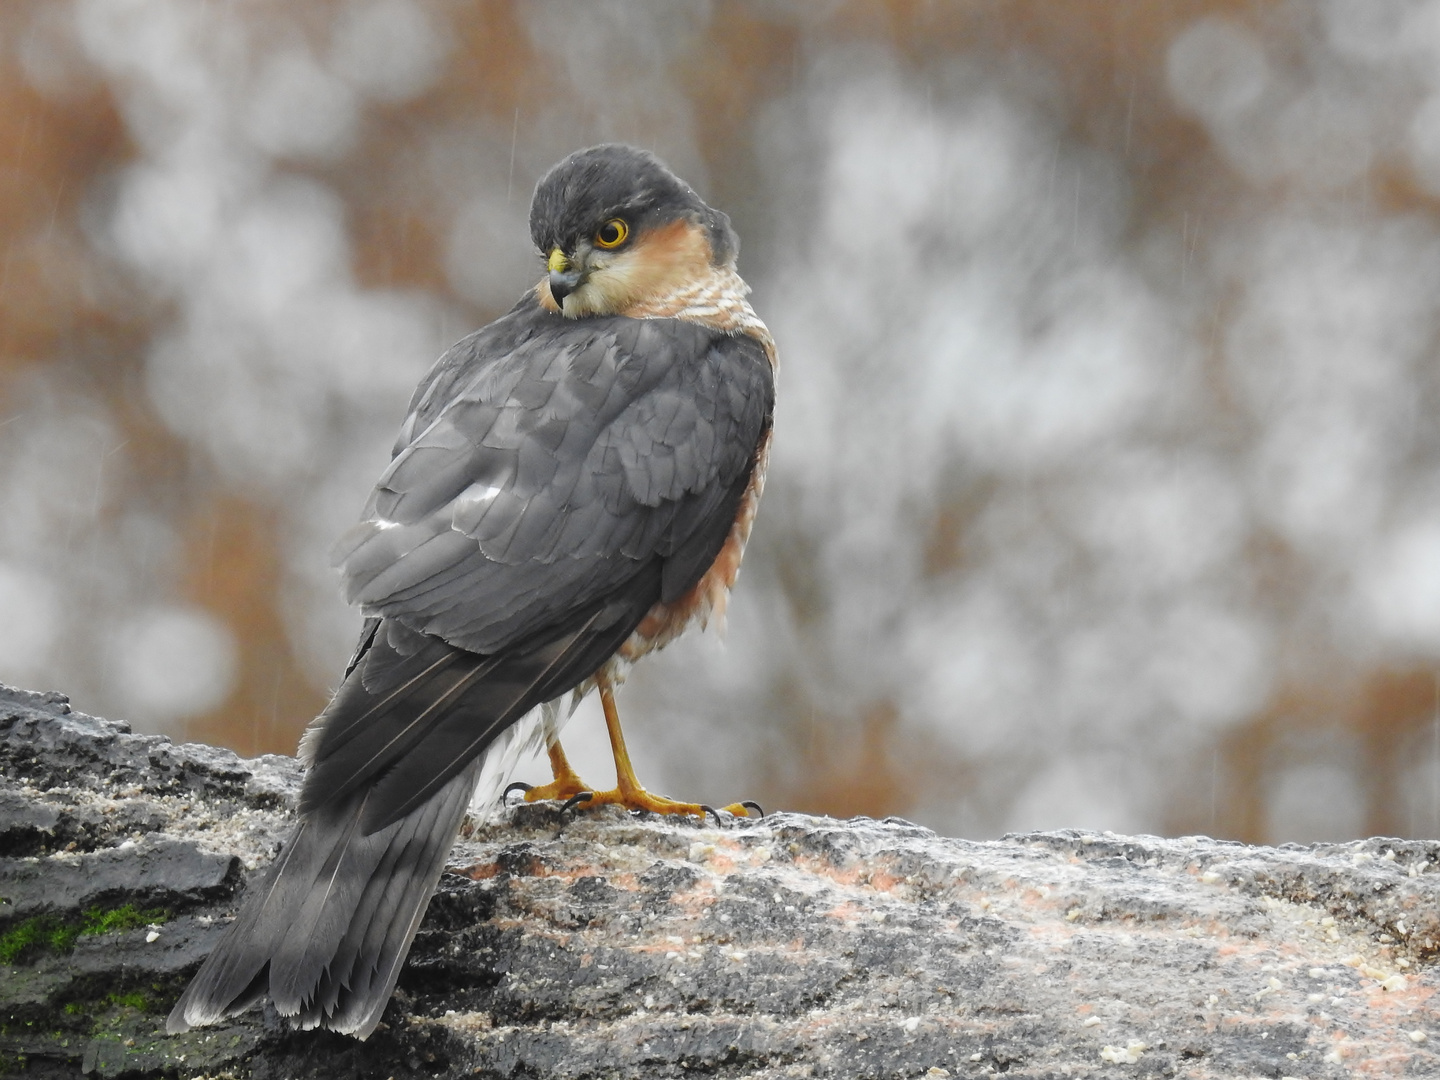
(663, 623)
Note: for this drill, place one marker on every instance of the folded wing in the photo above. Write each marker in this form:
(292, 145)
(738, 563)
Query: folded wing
(533, 513)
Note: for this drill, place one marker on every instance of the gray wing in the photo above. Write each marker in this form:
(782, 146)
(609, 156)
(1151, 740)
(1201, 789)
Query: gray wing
(565, 454)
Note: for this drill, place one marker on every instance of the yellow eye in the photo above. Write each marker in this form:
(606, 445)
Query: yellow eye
(612, 234)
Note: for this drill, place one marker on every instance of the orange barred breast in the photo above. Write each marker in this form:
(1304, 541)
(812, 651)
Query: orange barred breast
(663, 623)
(716, 300)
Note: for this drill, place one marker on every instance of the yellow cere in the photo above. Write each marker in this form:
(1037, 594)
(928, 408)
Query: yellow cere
(557, 263)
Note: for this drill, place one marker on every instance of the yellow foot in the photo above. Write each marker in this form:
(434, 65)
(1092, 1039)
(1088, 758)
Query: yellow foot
(566, 785)
(627, 792)
(557, 789)
(639, 799)
(576, 792)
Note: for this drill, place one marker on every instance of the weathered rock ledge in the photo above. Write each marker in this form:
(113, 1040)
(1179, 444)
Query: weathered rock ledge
(602, 945)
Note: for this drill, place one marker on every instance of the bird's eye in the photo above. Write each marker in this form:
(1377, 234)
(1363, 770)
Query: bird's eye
(612, 234)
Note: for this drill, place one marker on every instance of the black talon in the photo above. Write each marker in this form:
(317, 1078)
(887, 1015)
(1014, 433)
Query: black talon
(713, 812)
(577, 799)
(751, 804)
(518, 785)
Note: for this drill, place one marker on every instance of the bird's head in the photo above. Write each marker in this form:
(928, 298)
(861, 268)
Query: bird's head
(617, 228)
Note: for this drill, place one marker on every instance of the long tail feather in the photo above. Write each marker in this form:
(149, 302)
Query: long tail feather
(392, 764)
(333, 919)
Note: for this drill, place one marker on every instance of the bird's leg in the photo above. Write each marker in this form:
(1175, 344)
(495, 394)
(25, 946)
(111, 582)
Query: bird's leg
(627, 791)
(566, 783)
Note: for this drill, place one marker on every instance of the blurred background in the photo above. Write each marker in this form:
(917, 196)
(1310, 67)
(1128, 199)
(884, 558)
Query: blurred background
(1106, 483)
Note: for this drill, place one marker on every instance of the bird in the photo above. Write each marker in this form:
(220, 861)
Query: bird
(572, 487)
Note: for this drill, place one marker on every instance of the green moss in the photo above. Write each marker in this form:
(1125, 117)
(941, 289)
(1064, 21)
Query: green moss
(50, 933)
(132, 1000)
(129, 917)
(43, 932)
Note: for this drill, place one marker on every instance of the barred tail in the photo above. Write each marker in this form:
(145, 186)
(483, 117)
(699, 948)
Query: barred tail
(326, 931)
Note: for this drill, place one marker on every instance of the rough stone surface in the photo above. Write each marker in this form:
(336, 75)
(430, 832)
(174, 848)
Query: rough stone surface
(602, 945)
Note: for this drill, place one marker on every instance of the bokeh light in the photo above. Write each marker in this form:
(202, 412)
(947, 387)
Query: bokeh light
(1106, 485)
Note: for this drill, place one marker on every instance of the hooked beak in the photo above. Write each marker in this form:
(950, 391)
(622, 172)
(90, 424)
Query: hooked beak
(564, 279)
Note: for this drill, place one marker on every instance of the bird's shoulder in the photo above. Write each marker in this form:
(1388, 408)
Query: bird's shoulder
(521, 356)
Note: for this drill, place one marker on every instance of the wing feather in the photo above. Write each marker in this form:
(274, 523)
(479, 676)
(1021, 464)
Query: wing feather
(597, 444)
